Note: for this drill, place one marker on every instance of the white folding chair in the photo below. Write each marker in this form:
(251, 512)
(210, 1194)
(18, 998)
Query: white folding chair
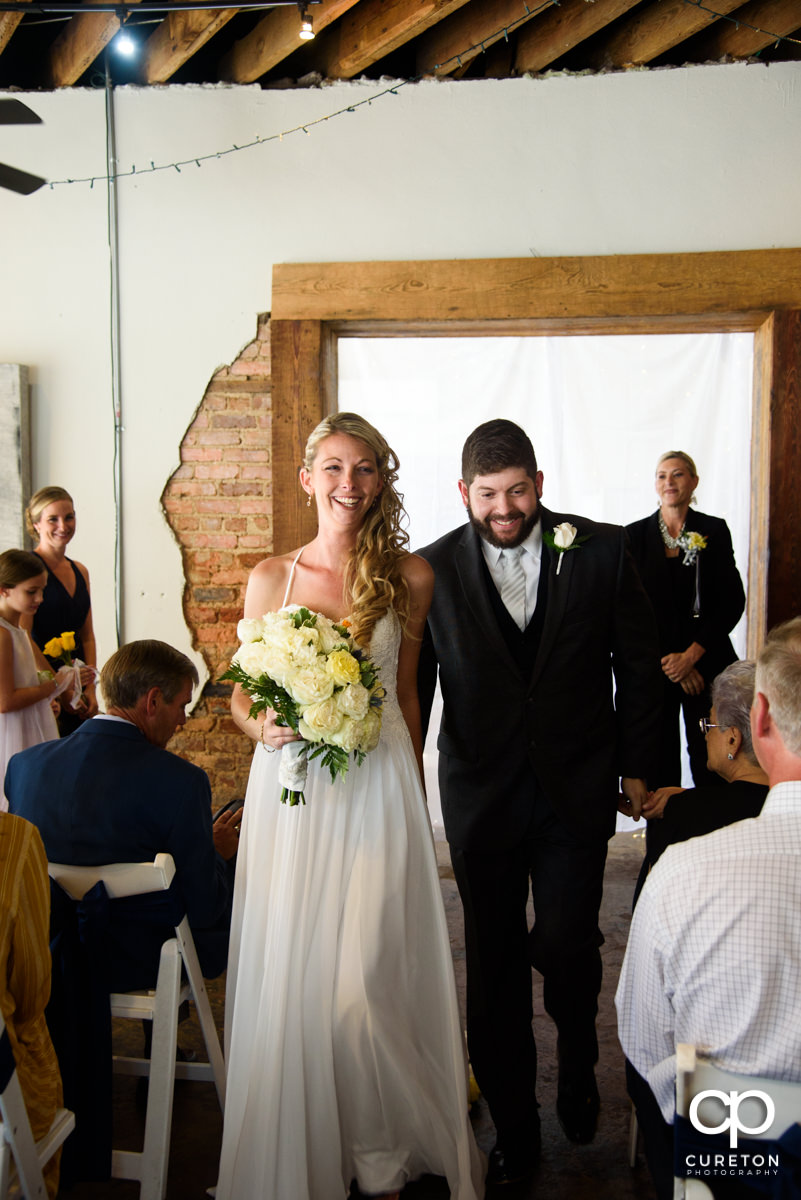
(695, 1074)
(161, 1007)
(22, 1159)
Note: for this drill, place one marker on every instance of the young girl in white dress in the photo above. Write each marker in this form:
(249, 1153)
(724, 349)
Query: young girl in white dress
(345, 1052)
(26, 715)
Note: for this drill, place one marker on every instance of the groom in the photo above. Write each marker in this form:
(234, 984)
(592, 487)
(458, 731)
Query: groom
(533, 744)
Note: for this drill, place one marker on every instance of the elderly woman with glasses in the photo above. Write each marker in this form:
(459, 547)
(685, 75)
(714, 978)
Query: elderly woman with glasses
(676, 814)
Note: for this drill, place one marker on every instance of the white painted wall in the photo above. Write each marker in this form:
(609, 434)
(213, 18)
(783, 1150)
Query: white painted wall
(675, 160)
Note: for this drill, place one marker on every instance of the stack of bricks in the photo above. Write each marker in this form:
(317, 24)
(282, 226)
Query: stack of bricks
(219, 506)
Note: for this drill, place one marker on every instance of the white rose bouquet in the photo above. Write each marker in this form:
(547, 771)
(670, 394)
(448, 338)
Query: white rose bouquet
(318, 681)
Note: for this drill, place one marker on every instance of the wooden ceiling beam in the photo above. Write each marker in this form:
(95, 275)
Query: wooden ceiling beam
(562, 27)
(274, 39)
(778, 18)
(654, 31)
(77, 47)
(180, 35)
(498, 61)
(377, 27)
(8, 23)
(478, 26)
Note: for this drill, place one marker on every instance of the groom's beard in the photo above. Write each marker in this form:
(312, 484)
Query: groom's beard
(485, 530)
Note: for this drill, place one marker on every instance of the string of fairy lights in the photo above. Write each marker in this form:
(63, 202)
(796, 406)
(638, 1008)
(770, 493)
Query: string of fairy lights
(739, 23)
(456, 60)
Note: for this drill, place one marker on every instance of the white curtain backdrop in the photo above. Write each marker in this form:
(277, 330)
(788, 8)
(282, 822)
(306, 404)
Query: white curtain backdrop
(599, 410)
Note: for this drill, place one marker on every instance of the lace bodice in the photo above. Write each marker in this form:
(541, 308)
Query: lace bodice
(384, 649)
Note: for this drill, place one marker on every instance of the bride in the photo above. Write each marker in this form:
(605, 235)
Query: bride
(344, 1046)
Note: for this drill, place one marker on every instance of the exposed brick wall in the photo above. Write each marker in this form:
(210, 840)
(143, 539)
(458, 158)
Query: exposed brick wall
(219, 506)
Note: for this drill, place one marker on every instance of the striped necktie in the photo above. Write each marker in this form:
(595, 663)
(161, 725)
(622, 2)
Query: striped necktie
(513, 585)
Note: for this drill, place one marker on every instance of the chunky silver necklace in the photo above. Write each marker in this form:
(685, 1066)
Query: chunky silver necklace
(672, 543)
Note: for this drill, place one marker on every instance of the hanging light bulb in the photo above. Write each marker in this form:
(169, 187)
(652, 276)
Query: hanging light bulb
(125, 45)
(306, 31)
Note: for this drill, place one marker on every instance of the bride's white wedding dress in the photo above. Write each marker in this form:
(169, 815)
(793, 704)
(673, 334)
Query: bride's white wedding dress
(344, 1044)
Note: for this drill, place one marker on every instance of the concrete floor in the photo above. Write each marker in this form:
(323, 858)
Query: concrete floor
(599, 1171)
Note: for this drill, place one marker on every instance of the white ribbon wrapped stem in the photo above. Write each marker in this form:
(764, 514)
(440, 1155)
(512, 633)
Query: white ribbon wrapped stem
(70, 676)
(293, 767)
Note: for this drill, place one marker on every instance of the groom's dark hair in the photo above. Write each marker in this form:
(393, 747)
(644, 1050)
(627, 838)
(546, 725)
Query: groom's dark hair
(496, 446)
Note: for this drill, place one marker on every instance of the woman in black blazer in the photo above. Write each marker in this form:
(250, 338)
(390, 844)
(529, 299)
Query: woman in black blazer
(686, 563)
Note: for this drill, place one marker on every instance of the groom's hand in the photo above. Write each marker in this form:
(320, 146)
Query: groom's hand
(634, 796)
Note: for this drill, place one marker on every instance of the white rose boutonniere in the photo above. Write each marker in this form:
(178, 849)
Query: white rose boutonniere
(563, 538)
(564, 535)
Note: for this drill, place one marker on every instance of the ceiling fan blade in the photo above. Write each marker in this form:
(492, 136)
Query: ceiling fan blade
(14, 112)
(19, 181)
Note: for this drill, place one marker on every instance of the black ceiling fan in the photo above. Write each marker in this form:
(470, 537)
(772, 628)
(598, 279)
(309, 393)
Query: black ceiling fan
(14, 112)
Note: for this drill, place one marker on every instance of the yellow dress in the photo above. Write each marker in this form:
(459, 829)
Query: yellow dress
(25, 988)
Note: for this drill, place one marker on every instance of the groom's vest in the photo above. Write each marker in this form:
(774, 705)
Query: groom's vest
(523, 644)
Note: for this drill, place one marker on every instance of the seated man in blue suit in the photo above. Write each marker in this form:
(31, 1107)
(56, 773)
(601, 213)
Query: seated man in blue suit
(111, 792)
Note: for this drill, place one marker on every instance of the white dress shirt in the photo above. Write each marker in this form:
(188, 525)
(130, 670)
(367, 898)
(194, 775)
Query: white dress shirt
(530, 560)
(714, 952)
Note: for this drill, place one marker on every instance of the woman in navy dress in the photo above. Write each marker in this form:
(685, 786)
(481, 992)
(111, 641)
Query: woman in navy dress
(67, 606)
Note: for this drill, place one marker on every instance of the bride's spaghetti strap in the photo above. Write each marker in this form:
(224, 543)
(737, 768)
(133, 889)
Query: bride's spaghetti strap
(291, 577)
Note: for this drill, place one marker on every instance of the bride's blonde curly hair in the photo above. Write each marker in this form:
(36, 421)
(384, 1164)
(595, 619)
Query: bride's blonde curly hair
(373, 576)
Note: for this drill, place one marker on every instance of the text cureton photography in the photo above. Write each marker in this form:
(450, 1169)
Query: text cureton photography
(725, 1125)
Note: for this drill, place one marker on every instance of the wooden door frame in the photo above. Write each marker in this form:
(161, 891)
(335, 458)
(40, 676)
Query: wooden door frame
(314, 304)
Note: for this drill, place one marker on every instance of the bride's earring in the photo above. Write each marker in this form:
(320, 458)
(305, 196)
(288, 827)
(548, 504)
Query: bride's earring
(308, 500)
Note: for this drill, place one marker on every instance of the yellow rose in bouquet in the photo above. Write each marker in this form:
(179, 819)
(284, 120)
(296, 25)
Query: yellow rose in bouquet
(61, 647)
(343, 667)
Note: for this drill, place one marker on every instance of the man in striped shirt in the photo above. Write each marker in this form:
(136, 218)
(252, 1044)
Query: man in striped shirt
(713, 955)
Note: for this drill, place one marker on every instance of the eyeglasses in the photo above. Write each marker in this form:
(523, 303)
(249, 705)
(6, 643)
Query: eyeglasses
(705, 725)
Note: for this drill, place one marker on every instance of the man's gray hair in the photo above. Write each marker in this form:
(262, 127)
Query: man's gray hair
(778, 678)
(137, 667)
(732, 697)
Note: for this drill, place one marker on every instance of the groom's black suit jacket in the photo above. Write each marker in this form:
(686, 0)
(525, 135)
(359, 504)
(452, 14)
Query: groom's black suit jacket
(511, 707)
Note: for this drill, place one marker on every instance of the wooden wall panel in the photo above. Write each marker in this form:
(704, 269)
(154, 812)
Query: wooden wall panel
(15, 453)
(298, 405)
(757, 582)
(784, 541)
